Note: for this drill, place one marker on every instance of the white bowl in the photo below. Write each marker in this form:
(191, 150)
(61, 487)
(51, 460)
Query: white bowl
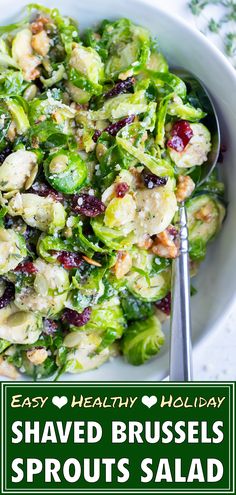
(183, 46)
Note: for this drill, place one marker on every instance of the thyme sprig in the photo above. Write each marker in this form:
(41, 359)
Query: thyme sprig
(221, 26)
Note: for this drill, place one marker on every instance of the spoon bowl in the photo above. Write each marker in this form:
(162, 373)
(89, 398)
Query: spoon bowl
(198, 92)
(180, 340)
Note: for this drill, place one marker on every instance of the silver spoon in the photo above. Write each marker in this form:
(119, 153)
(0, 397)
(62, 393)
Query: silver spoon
(180, 339)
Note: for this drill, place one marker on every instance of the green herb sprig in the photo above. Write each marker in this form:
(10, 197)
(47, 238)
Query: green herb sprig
(221, 26)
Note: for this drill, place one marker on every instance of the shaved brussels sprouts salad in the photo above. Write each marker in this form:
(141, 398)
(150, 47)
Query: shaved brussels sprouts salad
(99, 142)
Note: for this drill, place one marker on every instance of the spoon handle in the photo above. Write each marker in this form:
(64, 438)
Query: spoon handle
(180, 340)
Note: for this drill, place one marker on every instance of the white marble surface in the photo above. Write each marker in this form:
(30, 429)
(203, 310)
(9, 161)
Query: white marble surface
(215, 355)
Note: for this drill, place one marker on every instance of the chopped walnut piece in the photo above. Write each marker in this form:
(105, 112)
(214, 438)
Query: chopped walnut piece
(123, 264)
(29, 65)
(35, 142)
(146, 242)
(39, 24)
(185, 187)
(37, 356)
(204, 214)
(164, 245)
(33, 75)
(137, 177)
(7, 369)
(41, 43)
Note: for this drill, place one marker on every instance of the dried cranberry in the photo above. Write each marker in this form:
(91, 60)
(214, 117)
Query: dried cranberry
(120, 87)
(164, 304)
(8, 295)
(49, 327)
(152, 180)
(87, 205)
(77, 319)
(121, 189)
(26, 267)
(96, 135)
(113, 129)
(172, 231)
(181, 134)
(44, 190)
(68, 260)
(4, 153)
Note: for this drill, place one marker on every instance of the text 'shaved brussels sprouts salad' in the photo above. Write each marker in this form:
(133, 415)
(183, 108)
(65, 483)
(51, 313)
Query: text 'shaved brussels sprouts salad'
(99, 141)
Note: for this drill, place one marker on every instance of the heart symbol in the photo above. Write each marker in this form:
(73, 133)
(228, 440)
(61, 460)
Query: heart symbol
(59, 401)
(149, 401)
